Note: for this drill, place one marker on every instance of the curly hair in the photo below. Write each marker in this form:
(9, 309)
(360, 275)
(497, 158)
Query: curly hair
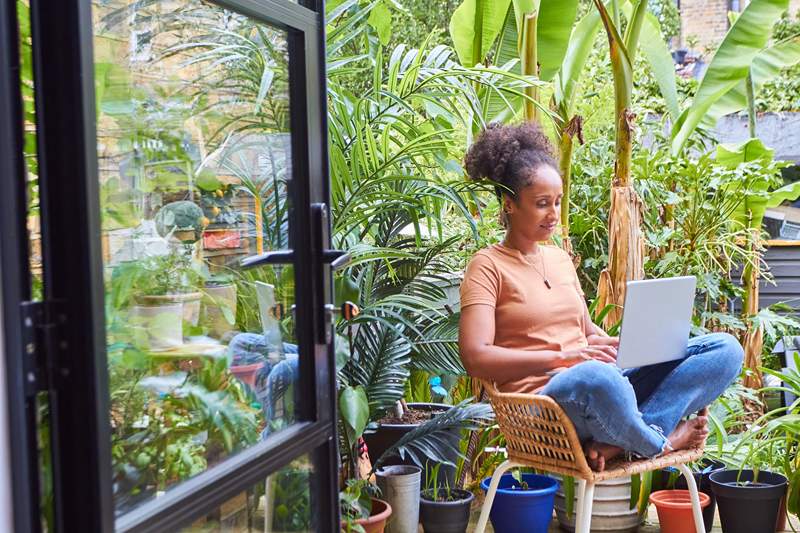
(509, 155)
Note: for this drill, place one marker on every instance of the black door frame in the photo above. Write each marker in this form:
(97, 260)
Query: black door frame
(15, 286)
(64, 82)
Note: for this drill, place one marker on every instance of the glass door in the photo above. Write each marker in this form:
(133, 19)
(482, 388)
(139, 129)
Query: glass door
(185, 237)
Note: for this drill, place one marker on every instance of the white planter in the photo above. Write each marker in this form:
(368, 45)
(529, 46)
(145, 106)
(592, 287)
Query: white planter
(611, 508)
(190, 303)
(158, 327)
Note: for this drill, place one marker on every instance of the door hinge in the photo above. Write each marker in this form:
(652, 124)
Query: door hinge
(43, 328)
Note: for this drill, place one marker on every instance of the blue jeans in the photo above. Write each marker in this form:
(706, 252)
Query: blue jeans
(634, 409)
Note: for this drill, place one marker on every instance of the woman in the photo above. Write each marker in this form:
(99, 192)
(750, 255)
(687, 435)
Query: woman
(525, 325)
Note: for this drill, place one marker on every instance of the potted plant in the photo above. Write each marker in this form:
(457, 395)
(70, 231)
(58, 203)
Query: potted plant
(748, 500)
(360, 511)
(160, 293)
(522, 498)
(400, 421)
(443, 509)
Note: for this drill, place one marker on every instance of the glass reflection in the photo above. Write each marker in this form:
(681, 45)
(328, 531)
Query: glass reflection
(194, 160)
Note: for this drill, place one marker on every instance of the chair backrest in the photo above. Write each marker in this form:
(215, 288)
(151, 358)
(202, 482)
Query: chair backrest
(538, 432)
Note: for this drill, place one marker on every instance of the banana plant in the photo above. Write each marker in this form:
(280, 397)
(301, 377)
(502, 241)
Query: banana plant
(745, 58)
(752, 156)
(626, 242)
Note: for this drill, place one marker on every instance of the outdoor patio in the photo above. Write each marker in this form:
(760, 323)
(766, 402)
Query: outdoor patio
(246, 250)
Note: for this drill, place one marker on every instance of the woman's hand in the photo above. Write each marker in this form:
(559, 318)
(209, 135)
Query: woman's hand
(603, 340)
(601, 352)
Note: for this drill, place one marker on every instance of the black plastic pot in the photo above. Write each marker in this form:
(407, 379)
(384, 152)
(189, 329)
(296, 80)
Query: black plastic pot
(703, 484)
(744, 506)
(388, 434)
(445, 516)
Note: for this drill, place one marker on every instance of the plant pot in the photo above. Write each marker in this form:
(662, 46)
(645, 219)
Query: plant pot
(674, 509)
(514, 507)
(445, 516)
(707, 467)
(247, 373)
(189, 300)
(386, 435)
(157, 327)
(218, 301)
(376, 523)
(611, 507)
(746, 507)
(400, 486)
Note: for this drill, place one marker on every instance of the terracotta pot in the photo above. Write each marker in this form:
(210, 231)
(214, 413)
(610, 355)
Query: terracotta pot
(675, 510)
(247, 373)
(377, 520)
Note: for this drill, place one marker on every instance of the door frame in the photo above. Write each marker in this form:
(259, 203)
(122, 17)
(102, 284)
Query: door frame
(18, 384)
(71, 228)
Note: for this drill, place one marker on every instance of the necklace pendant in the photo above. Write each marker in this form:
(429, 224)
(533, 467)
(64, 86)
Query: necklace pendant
(547, 283)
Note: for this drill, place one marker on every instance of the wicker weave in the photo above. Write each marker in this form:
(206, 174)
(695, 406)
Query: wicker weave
(538, 433)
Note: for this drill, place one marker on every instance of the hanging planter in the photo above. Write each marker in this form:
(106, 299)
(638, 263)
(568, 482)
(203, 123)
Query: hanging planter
(747, 502)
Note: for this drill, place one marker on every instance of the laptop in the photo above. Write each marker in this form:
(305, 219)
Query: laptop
(656, 321)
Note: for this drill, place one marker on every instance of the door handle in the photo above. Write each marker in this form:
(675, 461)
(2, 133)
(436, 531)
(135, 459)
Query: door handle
(268, 258)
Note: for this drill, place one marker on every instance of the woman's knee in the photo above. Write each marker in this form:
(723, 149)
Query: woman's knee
(728, 352)
(596, 379)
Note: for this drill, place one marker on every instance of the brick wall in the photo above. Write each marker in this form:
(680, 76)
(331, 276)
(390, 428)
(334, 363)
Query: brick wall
(708, 20)
(705, 19)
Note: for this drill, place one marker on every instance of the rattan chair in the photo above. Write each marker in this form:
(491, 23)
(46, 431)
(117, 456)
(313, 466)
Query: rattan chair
(540, 435)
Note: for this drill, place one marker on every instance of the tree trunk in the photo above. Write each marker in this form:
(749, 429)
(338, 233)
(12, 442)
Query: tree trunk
(753, 341)
(530, 63)
(625, 251)
(565, 167)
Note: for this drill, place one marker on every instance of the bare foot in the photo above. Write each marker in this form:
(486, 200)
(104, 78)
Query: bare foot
(690, 433)
(598, 453)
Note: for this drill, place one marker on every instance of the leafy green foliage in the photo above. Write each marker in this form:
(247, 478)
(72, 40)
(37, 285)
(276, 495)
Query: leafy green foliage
(429, 441)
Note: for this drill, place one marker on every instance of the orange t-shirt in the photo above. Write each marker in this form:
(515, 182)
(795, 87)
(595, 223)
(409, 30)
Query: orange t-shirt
(528, 315)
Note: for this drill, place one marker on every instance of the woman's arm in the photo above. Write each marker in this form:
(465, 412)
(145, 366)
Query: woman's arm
(482, 359)
(590, 328)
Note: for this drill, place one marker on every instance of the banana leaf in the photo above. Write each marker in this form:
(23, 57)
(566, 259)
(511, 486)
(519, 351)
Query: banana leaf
(581, 43)
(474, 27)
(766, 66)
(747, 37)
(553, 31)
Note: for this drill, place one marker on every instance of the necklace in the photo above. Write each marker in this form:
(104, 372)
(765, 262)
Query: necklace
(543, 272)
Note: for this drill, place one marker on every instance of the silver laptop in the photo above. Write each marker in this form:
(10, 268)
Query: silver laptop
(656, 321)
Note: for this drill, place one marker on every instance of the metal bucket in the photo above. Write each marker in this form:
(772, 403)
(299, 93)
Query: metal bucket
(611, 510)
(400, 487)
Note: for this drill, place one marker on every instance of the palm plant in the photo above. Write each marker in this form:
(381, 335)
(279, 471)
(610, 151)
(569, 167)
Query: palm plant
(394, 178)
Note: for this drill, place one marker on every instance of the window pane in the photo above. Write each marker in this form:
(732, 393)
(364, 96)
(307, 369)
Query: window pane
(281, 504)
(194, 160)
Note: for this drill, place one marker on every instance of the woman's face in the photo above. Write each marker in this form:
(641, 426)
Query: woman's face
(536, 211)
